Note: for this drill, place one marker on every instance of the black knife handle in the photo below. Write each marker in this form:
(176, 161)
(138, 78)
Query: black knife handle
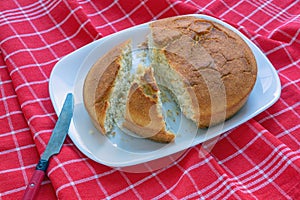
(42, 165)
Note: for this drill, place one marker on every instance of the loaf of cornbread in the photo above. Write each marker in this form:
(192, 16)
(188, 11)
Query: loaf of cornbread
(208, 68)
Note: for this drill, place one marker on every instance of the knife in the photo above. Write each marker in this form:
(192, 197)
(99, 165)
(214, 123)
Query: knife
(53, 147)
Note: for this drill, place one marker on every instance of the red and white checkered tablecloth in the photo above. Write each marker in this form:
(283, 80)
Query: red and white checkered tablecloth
(260, 159)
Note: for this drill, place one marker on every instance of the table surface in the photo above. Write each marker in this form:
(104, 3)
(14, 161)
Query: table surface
(259, 159)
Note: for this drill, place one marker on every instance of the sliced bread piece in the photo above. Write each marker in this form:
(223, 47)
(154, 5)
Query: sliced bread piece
(106, 87)
(144, 109)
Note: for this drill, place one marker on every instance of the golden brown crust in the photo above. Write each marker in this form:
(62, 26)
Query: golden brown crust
(208, 57)
(99, 83)
(142, 113)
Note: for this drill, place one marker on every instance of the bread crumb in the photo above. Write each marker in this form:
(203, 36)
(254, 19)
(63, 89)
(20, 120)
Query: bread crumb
(143, 45)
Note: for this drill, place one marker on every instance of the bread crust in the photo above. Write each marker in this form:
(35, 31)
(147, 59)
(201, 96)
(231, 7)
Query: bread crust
(216, 65)
(99, 83)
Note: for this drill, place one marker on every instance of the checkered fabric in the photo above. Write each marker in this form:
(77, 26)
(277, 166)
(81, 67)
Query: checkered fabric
(260, 159)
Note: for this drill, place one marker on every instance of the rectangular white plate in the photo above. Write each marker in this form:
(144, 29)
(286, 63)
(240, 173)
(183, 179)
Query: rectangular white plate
(123, 150)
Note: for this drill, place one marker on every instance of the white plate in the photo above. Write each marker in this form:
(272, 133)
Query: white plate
(123, 150)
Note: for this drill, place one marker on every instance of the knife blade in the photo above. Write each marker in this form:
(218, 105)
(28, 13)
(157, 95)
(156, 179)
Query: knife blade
(53, 147)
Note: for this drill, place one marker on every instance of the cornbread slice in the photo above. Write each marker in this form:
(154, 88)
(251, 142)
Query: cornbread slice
(106, 87)
(144, 109)
(208, 67)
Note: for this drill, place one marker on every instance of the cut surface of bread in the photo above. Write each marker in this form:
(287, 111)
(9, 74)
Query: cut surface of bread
(209, 68)
(106, 87)
(144, 109)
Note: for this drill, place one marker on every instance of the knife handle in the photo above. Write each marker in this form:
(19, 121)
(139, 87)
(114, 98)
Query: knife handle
(36, 180)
